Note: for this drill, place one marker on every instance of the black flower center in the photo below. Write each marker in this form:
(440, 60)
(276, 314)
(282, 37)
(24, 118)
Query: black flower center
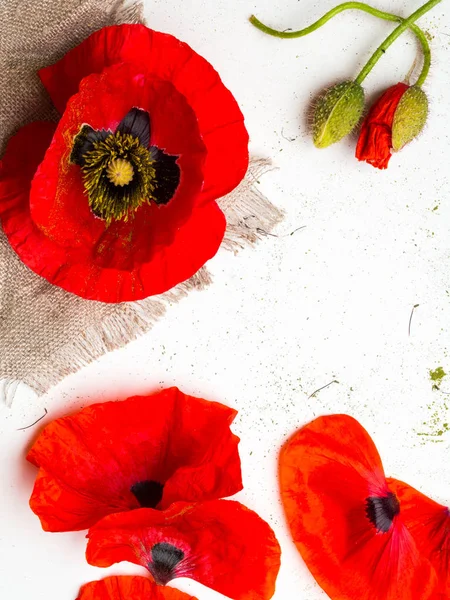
(381, 510)
(120, 171)
(148, 493)
(165, 558)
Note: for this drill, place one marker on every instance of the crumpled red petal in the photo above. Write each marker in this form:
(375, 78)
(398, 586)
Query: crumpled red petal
(332, 486)
(163, 56)
(429, 524)
(375, 140)
(144, 451)
(129, 588)
(220, 544)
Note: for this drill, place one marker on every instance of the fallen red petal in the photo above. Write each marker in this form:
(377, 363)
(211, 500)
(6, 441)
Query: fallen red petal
(345, 520)
(145, 451)
(129, 588)
(220, 544)
(429, 524)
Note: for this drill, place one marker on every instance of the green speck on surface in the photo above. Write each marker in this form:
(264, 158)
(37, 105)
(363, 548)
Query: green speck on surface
(437, 376)
(435, 208)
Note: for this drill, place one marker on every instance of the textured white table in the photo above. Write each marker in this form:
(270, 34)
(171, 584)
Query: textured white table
(332, 301)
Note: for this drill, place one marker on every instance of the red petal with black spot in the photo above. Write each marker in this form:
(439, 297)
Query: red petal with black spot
(375, 140)
(130, 588)
(120, 223)
(429, 524)
(345, 519)
(220, 544)
(145, 451)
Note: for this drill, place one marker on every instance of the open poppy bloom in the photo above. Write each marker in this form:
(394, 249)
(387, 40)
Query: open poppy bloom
(393, 121)
(220, 544)
(346, 521)
(130, 587)
(117, 201)
(147, 451)
(429, 524)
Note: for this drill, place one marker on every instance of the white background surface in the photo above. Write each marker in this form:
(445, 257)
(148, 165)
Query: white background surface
(332, 301)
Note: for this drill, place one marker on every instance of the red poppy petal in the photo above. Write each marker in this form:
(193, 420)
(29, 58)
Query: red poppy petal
(375, 140)
(332, 484)
(165, 57)
(90, 462)
(129, 587)
(196, 242)
(221, 544)
(429, 524)
(24, 152)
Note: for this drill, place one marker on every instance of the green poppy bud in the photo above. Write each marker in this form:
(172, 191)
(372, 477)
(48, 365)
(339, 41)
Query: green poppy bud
(410, 117)
(337, 112)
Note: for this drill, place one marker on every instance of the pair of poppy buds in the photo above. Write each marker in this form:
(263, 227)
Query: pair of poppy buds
(395, 119)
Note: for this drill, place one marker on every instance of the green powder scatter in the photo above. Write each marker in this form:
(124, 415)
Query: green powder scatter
(437, 425)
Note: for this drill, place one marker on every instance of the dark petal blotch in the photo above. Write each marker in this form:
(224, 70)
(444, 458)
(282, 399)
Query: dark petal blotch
(167, 175)
(381, 510)
(84, 142)
(137, 123)
(148, 493)
(165, 558)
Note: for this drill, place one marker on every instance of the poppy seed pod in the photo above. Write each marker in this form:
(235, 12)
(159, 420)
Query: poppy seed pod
(337, 112)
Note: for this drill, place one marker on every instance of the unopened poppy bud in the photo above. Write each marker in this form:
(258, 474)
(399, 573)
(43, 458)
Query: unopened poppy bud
(410, 117)
(337, 112)
(396, 118)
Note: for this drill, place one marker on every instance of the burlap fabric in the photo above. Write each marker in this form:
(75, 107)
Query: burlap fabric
(45, 332)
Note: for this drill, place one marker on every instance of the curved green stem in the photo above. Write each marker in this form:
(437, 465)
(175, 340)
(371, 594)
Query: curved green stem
(352, 6)
(391, 39)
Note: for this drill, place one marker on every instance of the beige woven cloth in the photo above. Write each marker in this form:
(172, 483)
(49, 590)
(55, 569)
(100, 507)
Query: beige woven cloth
(45, 332)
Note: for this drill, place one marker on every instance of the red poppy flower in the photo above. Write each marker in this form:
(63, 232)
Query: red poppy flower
(375, 140)
(129, 587)
(118, 201)
(429, 524)
(147, 451)
(346, 521)
(220, 544)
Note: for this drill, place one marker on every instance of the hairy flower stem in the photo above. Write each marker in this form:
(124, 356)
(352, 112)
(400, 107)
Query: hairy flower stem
(365, 8)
